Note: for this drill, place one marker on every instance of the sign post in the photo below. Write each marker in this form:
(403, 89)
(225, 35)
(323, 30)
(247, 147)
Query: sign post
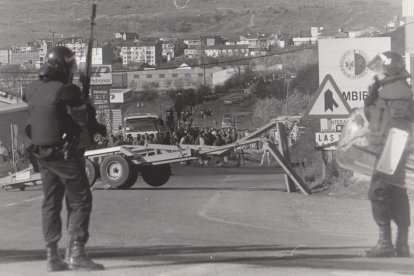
(101, 82)
(328, 103)
(284, 150)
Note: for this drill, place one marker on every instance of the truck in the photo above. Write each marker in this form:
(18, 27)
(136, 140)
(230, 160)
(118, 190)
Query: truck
(141, 123)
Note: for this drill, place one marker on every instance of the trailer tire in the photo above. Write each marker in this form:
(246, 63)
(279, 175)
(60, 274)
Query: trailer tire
(118, 172)
(133, 176)
(92, 171)
(156, 175)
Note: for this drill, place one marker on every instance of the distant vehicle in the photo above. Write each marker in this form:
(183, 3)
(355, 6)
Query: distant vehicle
(142, 123)
(227, 115)
(228, 122)
(210, 97)
(228, 102)
(247, 91)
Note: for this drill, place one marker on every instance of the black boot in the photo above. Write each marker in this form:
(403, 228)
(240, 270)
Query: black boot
(79, 260)
(53, 261)
(401, 246)
(384, 247)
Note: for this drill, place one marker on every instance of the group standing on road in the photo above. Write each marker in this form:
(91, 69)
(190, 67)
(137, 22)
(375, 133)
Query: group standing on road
(55, 134)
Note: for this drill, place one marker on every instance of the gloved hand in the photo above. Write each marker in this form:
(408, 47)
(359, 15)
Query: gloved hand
(372, 92)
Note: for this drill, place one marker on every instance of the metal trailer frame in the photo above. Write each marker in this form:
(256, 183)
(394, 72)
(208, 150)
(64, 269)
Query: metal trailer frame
(123, 163)
(119, 166)
(20, 179)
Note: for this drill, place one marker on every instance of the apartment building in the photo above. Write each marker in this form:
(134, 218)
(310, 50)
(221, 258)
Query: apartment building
(26, 55)
(100, 54)
(193, 52)
(257, 42)
(4, 56)
(149, 52)
(193, 42)
(227, 50)
(183, 77)
(213, 40)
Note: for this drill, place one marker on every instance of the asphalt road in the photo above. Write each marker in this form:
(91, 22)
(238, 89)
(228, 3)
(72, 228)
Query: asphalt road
(242, 115)
(207, 221)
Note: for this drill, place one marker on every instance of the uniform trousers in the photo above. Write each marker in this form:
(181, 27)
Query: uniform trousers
(389, 200)
(65, 179)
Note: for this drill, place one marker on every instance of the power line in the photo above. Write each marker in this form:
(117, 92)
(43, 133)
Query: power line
(230, 61)
(208, 64)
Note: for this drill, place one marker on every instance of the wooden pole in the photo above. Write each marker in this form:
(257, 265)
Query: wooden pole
(327, 157)
(13, 148)
(284, 150)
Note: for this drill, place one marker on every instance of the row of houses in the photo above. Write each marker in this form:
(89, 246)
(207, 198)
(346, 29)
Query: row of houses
(127, 48)
(131, 48)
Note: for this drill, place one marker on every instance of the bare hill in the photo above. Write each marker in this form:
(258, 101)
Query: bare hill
(24, 20)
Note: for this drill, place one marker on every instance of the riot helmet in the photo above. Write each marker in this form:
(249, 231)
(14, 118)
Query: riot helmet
(60, 64)
(387, 63)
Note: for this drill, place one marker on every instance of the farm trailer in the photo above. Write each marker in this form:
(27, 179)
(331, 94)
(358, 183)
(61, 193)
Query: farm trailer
(120, 166)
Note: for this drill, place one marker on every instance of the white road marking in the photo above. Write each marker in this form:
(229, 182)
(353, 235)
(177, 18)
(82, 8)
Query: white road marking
(24, 201)
(203, 212)
(213, 201)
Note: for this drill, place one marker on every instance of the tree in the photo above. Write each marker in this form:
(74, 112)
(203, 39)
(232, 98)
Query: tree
(151, 86)
(201, 92)
(265, 110)
(164, 101)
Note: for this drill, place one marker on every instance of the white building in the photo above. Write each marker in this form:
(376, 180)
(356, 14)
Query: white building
(227, 50)
(142, 52)
(192, 52)
(298, 41)
(4, 56)
(191, 42)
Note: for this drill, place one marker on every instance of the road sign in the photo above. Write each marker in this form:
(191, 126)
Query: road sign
(101, 75)
(333, 125)
(328, 101)
(327, 140)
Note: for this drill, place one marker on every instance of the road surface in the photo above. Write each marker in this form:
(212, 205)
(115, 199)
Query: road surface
(207, 221)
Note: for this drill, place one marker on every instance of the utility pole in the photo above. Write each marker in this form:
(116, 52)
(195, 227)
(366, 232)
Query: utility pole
(408, 13)
(204, 75)
(287, 93)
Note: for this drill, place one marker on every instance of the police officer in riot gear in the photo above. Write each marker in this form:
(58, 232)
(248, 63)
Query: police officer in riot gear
(389, 105)
(55, 136)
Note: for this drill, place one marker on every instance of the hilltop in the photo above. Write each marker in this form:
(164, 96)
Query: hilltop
(25, 20)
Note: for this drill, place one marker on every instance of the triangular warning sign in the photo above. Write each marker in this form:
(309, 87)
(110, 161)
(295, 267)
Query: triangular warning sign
(328, 101)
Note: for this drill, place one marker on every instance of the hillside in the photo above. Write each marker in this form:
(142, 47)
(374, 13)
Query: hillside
(25, 20)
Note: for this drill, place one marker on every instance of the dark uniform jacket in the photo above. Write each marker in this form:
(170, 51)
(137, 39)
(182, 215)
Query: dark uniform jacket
(391, 107)
(48, 102)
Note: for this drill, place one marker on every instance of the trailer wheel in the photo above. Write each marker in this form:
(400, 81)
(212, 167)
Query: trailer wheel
(133, 176)
(157, 175)
(118, 172)
(92, 171)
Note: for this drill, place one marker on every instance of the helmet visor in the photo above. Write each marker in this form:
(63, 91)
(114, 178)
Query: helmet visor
(377, 64)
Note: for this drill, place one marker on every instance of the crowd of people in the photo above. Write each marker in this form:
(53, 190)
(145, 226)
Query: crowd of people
(184, 135)
(210, 136)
